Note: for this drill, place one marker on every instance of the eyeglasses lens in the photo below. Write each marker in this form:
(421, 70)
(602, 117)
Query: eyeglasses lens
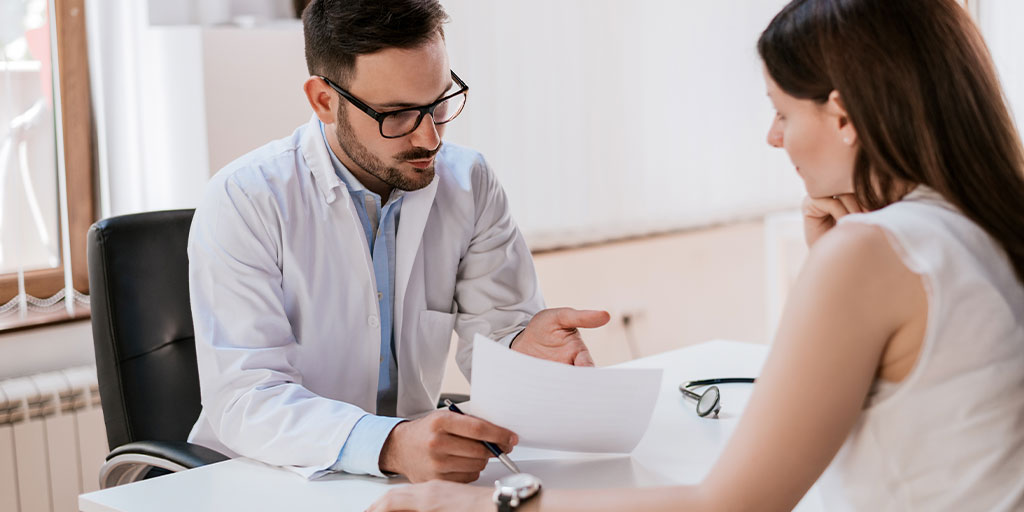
(403, 123)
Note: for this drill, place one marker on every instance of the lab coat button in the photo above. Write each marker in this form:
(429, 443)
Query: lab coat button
(372, 320)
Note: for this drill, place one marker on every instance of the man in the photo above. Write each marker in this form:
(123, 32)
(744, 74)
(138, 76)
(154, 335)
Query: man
(328, 269)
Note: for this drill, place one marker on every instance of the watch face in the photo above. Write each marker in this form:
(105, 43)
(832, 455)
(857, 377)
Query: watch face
(521, 486)
(512, 490)
(519, 481)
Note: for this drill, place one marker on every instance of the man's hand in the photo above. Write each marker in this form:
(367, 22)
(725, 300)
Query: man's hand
(821, 214)
(442, 445)
(553, 334)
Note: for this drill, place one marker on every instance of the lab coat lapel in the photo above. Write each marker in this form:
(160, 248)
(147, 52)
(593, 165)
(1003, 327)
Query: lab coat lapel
(415, 210)
(314, 150)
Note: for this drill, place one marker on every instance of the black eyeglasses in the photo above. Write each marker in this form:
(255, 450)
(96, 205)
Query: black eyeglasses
(402, 122)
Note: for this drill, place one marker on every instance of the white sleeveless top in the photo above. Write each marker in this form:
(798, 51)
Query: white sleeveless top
(950, 436)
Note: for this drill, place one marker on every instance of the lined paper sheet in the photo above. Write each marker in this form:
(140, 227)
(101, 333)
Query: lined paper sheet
(561, 407)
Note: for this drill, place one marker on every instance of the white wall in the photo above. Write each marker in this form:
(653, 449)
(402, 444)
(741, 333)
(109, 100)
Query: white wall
(606, 118)
(167, 109)
(222, 91)
(209, 12)
(46, 349)
(1000, 22)
(602, 118)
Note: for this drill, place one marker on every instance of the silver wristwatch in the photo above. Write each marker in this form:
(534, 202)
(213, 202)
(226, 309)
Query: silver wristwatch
(513, 490)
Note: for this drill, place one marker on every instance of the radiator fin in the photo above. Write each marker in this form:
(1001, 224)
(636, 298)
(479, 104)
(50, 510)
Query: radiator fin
(52, 440)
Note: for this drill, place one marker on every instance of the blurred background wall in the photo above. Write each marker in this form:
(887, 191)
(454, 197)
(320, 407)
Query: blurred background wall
(628, 135)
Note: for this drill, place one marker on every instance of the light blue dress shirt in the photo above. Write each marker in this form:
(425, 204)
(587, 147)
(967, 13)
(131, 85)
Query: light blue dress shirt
(361, 452)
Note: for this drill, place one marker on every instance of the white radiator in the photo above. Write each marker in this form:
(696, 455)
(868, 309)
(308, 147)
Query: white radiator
(52, 440)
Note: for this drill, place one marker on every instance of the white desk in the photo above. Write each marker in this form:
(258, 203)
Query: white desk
(679, 447)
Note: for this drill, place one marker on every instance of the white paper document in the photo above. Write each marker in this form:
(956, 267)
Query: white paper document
(561, 407)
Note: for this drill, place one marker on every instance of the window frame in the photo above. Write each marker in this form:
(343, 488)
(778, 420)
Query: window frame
(76, 121)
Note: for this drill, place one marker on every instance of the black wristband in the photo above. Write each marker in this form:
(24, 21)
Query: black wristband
(504, 503)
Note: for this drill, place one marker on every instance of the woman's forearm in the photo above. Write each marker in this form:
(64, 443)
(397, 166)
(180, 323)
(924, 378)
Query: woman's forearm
(649, 499)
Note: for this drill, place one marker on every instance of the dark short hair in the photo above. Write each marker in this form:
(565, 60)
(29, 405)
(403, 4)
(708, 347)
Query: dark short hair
(338, 31)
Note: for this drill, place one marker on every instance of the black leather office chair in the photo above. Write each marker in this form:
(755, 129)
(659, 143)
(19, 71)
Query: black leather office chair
(145, 346)
(145, 349)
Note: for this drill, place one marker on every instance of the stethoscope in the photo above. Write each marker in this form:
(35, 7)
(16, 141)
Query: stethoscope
(709, 401)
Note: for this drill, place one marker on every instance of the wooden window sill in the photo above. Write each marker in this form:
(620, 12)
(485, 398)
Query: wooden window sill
(13, 322)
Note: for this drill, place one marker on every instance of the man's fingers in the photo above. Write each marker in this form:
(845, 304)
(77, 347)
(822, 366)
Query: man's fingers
(583, 359)
(569, 318)
(462, 478)
(465, 447)
(456, 464)
(480, 430)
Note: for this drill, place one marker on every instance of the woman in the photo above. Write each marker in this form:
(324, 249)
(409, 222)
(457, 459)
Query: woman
(899, 361)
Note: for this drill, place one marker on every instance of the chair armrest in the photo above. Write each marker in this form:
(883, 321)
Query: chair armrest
(130, 462)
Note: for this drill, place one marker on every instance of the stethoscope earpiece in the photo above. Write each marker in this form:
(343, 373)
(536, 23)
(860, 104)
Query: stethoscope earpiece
(710, 401)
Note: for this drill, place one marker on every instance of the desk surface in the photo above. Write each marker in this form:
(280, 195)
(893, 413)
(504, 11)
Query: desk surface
(679, 447)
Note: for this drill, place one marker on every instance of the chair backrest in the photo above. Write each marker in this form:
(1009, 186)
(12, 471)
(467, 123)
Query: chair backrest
(142, 326)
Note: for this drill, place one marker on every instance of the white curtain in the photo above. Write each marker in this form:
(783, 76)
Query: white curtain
(114, 38)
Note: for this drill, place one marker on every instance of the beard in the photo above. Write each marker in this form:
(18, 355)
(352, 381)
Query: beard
(394, 177)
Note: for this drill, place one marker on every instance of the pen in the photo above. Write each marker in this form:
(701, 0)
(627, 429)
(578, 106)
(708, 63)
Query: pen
(490, 446)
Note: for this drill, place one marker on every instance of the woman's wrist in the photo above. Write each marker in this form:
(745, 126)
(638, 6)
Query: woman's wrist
(532, 505)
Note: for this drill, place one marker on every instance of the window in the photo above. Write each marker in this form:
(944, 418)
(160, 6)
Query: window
(44, 216)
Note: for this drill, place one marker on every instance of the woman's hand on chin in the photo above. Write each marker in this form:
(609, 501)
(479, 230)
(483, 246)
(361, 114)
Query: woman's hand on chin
(821, 214)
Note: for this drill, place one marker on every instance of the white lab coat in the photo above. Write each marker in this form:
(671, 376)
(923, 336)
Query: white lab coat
(285, 304)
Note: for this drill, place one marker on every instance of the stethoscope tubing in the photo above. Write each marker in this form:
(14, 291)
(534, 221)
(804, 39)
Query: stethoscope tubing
(715, 406)
(711, 382)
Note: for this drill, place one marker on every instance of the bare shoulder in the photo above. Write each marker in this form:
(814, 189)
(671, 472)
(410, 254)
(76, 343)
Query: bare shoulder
(854, 244)
(860, 261)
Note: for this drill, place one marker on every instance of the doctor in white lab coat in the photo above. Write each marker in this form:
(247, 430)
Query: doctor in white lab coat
(286, 300)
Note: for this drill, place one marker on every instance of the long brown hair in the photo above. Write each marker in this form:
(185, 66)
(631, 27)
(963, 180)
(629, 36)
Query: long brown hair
(920, 88)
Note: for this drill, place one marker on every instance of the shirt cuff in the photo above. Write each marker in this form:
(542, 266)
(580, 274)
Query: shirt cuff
(361, 453)
(509, 338)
